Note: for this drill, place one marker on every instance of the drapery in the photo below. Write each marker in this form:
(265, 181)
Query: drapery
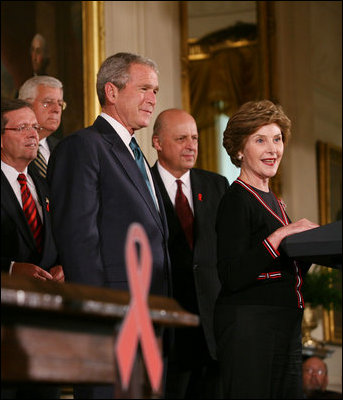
(220, 83)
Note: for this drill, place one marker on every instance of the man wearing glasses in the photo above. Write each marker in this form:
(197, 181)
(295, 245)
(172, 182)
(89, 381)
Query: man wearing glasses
(45, 93)
(315, 380)
(27, 244)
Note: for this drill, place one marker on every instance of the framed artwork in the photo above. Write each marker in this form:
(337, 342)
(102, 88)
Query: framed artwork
(329, 166)
(224, 68)
(71, 44)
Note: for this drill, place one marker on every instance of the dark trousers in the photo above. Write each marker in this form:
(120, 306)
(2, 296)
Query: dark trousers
(201, 382)
(259, 350)
(191, 372)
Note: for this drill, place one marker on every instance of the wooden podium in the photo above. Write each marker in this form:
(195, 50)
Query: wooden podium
(65, 334)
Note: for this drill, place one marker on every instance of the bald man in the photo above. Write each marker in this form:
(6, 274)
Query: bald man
(192, 367)
(315, 380)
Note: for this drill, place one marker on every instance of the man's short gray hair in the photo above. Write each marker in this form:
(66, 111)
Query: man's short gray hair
(115, 69)
(28, 91)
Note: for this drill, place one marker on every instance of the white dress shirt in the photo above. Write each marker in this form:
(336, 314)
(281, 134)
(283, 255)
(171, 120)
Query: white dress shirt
(44, 149)
(12, 177)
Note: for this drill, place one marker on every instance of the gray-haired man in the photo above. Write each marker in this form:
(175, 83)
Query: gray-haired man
(45, 93)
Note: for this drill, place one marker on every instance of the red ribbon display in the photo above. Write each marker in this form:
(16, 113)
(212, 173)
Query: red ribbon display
(137, 324)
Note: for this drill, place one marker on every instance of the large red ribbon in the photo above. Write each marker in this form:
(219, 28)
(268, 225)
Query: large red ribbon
(137, 324)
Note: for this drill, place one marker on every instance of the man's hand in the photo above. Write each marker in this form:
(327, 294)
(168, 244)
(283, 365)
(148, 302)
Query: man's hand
(31, 270)
(57, 273)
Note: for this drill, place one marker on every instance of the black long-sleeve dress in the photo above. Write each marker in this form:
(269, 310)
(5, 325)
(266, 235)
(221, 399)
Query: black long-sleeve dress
(259, 309)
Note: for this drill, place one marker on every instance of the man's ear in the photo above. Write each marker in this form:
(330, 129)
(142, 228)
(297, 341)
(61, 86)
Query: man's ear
(111, 92)
(156, 143)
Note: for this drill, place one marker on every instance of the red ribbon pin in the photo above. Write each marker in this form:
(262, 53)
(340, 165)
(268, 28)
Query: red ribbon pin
(137, 324)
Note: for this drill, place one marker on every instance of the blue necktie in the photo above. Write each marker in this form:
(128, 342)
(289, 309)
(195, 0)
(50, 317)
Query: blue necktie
(140, 162)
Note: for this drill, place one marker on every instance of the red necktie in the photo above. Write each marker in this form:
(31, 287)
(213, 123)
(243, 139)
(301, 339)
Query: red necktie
(184, 212)
(31, 212)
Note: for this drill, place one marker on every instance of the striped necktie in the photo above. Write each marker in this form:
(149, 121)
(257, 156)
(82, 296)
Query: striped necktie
(31, 212)
(40, 162)
(140, 162)
(184, 212)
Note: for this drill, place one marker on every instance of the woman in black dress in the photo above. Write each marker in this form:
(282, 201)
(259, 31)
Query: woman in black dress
(259, 309)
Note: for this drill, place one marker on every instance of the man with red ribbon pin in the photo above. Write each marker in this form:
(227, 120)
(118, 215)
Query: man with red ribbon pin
(27, 245)
(191, 197)
(101, 183)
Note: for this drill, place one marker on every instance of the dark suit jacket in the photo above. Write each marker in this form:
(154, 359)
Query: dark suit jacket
(97, 191)
(52, 142)
(194, 273)
(17, 241)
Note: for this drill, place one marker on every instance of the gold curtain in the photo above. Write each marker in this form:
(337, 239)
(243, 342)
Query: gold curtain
(220, 83)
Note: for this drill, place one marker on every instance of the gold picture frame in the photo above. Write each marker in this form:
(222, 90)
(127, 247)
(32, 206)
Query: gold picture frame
(266, 82)
(72, 34)
(329, 166)
(93, 38)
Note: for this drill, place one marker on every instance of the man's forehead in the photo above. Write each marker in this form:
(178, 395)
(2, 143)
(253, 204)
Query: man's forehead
(21, 113)
(45, 90)
(36, 43)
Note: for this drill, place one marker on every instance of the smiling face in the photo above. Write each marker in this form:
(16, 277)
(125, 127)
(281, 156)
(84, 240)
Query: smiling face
(18, 149)
(133, 105)
(261, 156)
(176, 142)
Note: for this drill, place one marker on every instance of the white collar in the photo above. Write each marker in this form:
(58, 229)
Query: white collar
(11, 173)
(123, 133)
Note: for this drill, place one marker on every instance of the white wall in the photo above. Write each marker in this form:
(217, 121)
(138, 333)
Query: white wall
(309, 60)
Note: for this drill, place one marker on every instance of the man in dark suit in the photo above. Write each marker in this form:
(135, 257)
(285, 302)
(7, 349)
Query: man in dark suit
(192, 370)
(98, 190)
(45, 93)
(27, 245)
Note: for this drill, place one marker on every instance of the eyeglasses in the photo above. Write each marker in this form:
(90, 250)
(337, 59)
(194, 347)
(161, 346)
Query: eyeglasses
(49, 103)
(25, 127)
(311, 371)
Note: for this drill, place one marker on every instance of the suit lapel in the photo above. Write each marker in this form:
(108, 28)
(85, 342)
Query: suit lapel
(197, 192)
(122, 154)
(9, 202)
(52, 142)
(174, 225)
(168, 205)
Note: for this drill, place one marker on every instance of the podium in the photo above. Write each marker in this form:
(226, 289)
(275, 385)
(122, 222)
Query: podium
(65, 333)
(322, 245)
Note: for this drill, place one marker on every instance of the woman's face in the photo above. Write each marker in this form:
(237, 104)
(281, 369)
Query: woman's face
(262, 153)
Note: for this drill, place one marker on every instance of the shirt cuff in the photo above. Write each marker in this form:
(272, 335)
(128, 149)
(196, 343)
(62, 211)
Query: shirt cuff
(273, 252)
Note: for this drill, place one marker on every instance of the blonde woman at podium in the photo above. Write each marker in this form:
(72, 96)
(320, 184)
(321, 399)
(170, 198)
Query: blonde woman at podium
(259, 310)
